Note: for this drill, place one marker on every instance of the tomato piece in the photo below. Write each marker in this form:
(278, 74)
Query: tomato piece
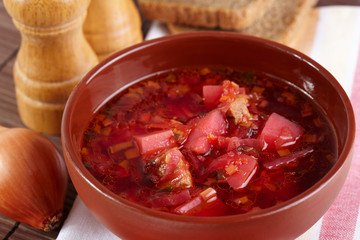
(213, 123)
(280, 132)
(155, 141)
(231, 90)
(214, 94)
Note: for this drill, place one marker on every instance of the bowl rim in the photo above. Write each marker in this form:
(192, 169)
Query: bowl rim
(96, 185)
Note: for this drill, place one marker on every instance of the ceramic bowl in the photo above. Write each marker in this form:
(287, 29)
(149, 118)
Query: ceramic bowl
(128, 220)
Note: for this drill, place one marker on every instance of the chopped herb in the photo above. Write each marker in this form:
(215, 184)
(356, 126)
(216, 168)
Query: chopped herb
(171, 78)
(89, 135)
(167, 189)
(264, 116)
(201, 115)
(244, 78)
(87, 165)
(219, 174)
(151, 163)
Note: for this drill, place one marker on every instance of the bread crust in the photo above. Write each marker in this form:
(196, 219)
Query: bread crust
(223, 14)
(282, 23)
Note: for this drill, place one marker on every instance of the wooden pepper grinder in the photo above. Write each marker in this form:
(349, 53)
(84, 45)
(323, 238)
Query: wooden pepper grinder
(53, 57)
(112, 25)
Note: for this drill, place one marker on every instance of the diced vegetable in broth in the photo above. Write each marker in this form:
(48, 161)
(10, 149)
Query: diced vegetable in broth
(204, 200)
(155, 141)
(209, 141)
(238, 168)
(280, 132)
(212, 94)
(235, 142)
(169, 169)
(164, 199)
(285, 160)
(213, 123)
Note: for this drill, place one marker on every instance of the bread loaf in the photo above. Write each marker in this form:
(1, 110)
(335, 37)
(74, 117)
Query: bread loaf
(224, 14)
(281, 23)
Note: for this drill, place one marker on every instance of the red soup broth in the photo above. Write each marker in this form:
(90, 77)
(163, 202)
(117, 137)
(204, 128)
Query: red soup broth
(209, 141)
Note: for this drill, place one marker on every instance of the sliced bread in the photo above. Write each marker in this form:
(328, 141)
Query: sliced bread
(223, 14)
(304, 37)
(281, 23)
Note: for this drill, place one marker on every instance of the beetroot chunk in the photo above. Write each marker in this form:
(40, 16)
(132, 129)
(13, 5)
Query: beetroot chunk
(155, 141)
(280, 132)
(283, 161)
(213, 123)
(237, 167)
(212, 94)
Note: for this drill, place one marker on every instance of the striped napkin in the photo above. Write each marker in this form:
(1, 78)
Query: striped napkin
(337, 48)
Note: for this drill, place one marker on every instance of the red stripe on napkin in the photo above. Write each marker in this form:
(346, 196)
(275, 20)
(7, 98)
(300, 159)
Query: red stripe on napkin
(340, 220)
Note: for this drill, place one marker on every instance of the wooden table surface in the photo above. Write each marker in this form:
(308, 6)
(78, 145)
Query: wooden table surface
(9, 45)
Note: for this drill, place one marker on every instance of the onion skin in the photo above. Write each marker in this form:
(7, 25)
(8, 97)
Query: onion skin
(33, 178)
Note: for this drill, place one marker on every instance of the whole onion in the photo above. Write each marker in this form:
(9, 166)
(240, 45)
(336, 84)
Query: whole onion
(33, 178)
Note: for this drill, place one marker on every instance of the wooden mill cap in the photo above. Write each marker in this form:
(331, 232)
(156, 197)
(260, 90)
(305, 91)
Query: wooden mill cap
(45, 13)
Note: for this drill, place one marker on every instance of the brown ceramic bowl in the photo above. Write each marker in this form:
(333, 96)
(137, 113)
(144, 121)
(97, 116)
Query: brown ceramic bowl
(128, 220)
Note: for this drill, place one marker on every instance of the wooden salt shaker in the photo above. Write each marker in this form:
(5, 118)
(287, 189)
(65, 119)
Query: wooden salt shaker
(112, 25)
(53, 57)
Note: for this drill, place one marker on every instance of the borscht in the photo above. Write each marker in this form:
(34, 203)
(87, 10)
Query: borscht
(209, 141)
